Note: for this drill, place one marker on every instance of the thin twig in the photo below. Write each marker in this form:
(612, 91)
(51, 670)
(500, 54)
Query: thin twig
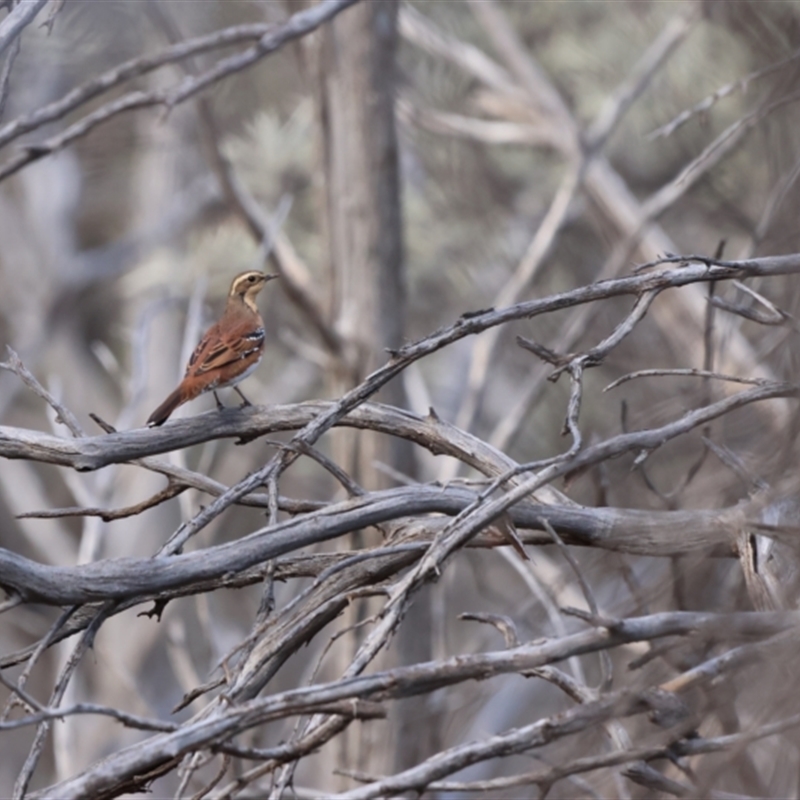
(742, 84)
(691, 373)
(5, 73)
(666, 196)
(128, 720)
(17, 19)
(298, 25)
(173, 489)
(37, 652)
(503, 623)
(605, 660)
(63, 414)
(68, 670)
(126, 71)
(622, 98)
(736, 465)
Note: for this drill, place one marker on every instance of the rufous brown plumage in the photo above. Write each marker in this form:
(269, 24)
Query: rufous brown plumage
(228, 352)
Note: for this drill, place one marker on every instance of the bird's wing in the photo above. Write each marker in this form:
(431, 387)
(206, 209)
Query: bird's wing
(217, 349)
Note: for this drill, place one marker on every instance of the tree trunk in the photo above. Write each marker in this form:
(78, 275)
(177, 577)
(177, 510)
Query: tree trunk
(363, 222)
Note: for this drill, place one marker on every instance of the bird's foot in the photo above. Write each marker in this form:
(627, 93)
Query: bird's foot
(245, 401)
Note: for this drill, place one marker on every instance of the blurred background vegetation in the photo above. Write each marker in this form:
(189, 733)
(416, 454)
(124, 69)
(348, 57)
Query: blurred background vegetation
(117, 250)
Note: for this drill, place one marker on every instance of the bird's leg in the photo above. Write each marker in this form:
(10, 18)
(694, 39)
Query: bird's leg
(220, 407)
(245, 401)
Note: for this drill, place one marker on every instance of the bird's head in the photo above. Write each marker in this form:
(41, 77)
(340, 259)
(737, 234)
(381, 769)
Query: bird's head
(247, 285)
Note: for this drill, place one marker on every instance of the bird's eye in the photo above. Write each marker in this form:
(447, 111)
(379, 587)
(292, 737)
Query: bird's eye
(252, 278)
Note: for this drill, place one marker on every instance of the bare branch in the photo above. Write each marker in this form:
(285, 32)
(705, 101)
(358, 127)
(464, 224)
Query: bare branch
(142, 578)
(693, 373)
(64, 677)
(17, 20)
(125, 72)
(128, 720)
(63, 414)
(276, 690)
(503, 624)
(93, 453)
(173, 489)
(659, 201)
(299, 25)
(125, 768)
(671, 37)
(5, 74)
(742, 84)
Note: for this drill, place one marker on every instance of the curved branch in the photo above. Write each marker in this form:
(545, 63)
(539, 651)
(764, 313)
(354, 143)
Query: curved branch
(95, 452)
(125, 72)
(652, 533)
(298, 25)
(125, 769)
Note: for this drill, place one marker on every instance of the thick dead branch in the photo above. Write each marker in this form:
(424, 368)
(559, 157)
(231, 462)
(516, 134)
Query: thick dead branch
(624, 530)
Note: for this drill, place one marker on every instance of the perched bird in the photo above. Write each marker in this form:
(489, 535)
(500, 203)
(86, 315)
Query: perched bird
(228, 352)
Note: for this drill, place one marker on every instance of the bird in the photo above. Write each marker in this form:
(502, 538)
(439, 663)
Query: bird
(228, 352)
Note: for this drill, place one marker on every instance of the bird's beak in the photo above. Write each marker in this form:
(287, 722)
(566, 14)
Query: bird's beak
(270, 277)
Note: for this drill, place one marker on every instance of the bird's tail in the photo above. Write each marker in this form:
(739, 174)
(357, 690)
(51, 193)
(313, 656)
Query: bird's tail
(161, 414)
